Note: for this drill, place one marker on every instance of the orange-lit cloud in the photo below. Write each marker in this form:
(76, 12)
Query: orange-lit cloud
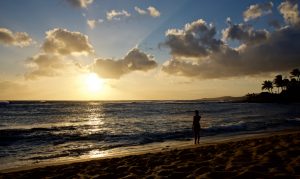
(44, 65)
(63, 42)
(257, 10)
(80, 3)
(135, 60)
(20, 39)
(152, 11)
(140, 11)
(290, 12)
(53, 58)
(116, 15)
(91, 23)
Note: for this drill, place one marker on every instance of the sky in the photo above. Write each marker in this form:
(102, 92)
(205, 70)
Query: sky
(144, 49)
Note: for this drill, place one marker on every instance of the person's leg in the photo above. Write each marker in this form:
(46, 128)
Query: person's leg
(195, 136)
(198, 137)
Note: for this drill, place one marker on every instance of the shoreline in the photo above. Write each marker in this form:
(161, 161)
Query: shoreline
(167, 152)
(148, 148)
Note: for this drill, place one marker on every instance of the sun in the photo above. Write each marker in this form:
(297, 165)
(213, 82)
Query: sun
(93, 82)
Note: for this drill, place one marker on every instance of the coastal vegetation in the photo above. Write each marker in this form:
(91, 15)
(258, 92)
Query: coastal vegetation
(280, 89)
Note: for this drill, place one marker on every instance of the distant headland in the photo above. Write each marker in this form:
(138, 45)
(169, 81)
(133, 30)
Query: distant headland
(279, 90)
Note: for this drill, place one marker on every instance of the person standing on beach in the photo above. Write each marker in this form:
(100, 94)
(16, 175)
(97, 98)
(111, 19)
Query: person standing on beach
(196, 126)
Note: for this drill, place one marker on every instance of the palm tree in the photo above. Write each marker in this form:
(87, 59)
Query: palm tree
(278, 81)
(285, 83)
(293, 85)
(267, 85)
(295, 73)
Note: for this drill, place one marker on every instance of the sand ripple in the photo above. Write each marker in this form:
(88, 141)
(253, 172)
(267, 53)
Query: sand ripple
(264, 157)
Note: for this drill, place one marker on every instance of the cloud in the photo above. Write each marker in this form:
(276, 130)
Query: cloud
(274, 23)
(80, 3)
(19, 39)
(135, 60)
(64, 42)
(195, 40)
(54, 57)
(91, 23)
(197, 53)
(153, 11)
(44, 65)
(290, 12)
(140, 11)
(116, 15)
(257, 10)
(244, 33)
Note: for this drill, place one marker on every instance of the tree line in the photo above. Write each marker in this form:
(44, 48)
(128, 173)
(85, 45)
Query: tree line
(287, 89)
(282, 84)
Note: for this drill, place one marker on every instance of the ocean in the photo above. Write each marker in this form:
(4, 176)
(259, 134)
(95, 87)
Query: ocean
(33, 132)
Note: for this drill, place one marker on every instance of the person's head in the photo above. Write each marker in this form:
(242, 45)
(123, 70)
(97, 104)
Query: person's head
(196, 112)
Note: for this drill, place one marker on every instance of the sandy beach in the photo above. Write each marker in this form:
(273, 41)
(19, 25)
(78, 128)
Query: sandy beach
(268, 155)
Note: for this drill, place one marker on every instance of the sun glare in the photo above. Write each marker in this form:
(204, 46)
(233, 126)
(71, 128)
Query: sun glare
(93, 82)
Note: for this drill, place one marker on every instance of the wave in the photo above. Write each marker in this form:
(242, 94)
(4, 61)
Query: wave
(4, 102)
(63, 134)
(297, 119)
(45, 157)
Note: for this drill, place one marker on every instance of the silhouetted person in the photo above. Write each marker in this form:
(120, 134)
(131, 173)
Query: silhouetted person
(196, 126)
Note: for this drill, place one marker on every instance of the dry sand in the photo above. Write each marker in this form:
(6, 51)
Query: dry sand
(275, 155)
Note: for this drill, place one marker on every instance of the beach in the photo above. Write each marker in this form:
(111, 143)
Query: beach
(126, 89)
(267, 155)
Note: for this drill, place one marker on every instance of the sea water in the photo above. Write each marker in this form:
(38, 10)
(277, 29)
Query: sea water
(43, 131)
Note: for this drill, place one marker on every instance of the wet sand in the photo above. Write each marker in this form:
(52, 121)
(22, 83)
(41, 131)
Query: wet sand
(269, 155)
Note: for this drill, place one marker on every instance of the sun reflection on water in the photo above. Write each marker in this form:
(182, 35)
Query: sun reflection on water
(95, 118)
(97, 153)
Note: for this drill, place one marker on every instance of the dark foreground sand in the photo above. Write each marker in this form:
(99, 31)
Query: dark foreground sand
(274, 155)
